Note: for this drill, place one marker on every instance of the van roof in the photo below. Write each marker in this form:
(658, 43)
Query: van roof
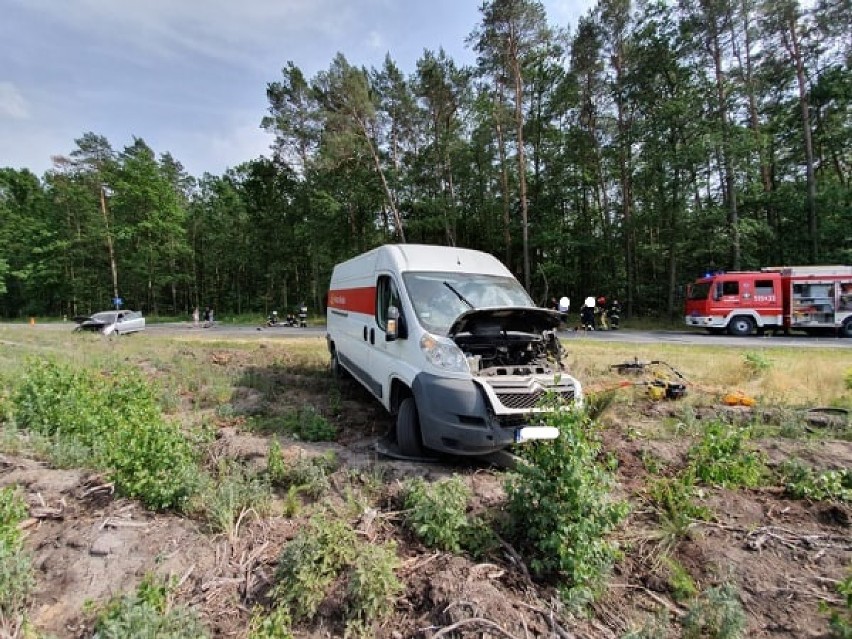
(422, 257)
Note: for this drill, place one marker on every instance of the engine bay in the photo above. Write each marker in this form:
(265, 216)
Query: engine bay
(503, 353)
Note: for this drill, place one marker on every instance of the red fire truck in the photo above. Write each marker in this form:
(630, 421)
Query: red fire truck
(806, 298)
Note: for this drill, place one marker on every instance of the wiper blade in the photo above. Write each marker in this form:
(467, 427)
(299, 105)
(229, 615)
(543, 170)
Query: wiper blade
(459, 295)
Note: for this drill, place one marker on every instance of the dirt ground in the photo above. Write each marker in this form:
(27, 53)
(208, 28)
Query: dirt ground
(784, 556)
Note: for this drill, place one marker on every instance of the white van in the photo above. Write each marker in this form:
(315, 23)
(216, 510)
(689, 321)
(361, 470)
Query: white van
(450, 342)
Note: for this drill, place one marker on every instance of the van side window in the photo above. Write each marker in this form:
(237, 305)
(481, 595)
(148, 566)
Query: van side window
(763, 287)
(387, 295)
(731, 288)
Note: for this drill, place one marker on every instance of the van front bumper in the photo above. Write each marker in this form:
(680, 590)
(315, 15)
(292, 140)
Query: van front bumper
(455, 417)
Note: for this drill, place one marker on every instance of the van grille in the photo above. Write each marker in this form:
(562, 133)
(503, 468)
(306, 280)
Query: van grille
(530, 399)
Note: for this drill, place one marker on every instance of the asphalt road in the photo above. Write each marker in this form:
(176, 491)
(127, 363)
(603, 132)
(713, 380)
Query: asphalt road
(624, 336)
(629, 336)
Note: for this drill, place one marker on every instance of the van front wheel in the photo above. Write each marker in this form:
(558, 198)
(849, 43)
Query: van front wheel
(408, 429)
(337, 371)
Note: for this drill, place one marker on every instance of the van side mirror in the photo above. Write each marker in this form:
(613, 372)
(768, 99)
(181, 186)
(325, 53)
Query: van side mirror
(396, 325)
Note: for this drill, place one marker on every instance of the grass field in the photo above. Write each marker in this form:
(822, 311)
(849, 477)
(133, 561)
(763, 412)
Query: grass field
(234, 488)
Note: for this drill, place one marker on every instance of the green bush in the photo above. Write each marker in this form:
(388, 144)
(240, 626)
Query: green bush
(116, 417)
(840, 619)
(326, 551)
(311, 426)
(16, 576)
(756, 363)
(802, 482)
(310, 563)
(561, 508)
(653, 627)
(437, 513)
(372, 586)
(722, 458)
(233, 490)
(681, 583)
(715, 614)
(275, 625)
(673, 498)
(147, 614)
(308, 474)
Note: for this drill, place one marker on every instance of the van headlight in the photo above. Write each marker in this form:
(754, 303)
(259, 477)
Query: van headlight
(444, 354)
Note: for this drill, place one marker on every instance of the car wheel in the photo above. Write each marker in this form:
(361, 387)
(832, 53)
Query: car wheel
(741, 326)
(846, 329)
(408, 429)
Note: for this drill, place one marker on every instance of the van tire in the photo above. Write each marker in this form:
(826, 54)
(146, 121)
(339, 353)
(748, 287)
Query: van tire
(741, 325)
(408, 429)
(337, 371)
(846, 328)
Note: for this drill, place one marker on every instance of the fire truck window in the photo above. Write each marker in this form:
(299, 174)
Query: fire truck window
(730, 288)
(764, 287)
(845, 297)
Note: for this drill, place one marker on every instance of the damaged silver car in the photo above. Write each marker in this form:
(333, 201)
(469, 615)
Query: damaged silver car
(111, 322)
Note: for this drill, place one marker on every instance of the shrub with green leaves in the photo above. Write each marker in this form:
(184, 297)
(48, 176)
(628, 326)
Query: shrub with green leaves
(840, 618)
(306, 423)
(147, 613)
(310, 563)
(275, 625)
(722, 458)
(308, 474)
(653, 627)
(115, 416)
(715, 614)
(232, 490)
(16, 576)
(803, 482)
(309, 425)
(437, 512)
(561, 508)
(322, 553)
(674, 500)
(757, 363)
(680, 582)
(372, 585)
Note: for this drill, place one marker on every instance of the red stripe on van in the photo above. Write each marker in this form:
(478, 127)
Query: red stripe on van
(354, 300)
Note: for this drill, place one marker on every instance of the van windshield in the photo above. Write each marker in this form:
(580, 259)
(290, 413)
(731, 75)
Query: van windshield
(437, 297)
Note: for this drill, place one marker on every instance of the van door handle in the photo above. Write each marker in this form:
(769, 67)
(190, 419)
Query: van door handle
(365, 333)
(372, 336)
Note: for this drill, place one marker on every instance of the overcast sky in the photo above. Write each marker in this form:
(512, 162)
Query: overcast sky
(190, 76)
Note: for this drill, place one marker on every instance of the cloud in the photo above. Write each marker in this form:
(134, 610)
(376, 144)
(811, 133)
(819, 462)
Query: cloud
(231, 32)
(376, 41)
(12, 104)
(564, 12)
(218, 148)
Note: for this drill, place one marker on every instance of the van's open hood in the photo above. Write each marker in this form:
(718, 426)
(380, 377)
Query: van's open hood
(524, 319)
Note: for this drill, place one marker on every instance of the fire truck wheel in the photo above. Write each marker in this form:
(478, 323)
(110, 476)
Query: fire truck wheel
(741, 325)
(408, 429)
(846, 329)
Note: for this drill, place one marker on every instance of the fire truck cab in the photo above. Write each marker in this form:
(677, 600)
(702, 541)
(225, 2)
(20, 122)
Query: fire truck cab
(806, 298)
